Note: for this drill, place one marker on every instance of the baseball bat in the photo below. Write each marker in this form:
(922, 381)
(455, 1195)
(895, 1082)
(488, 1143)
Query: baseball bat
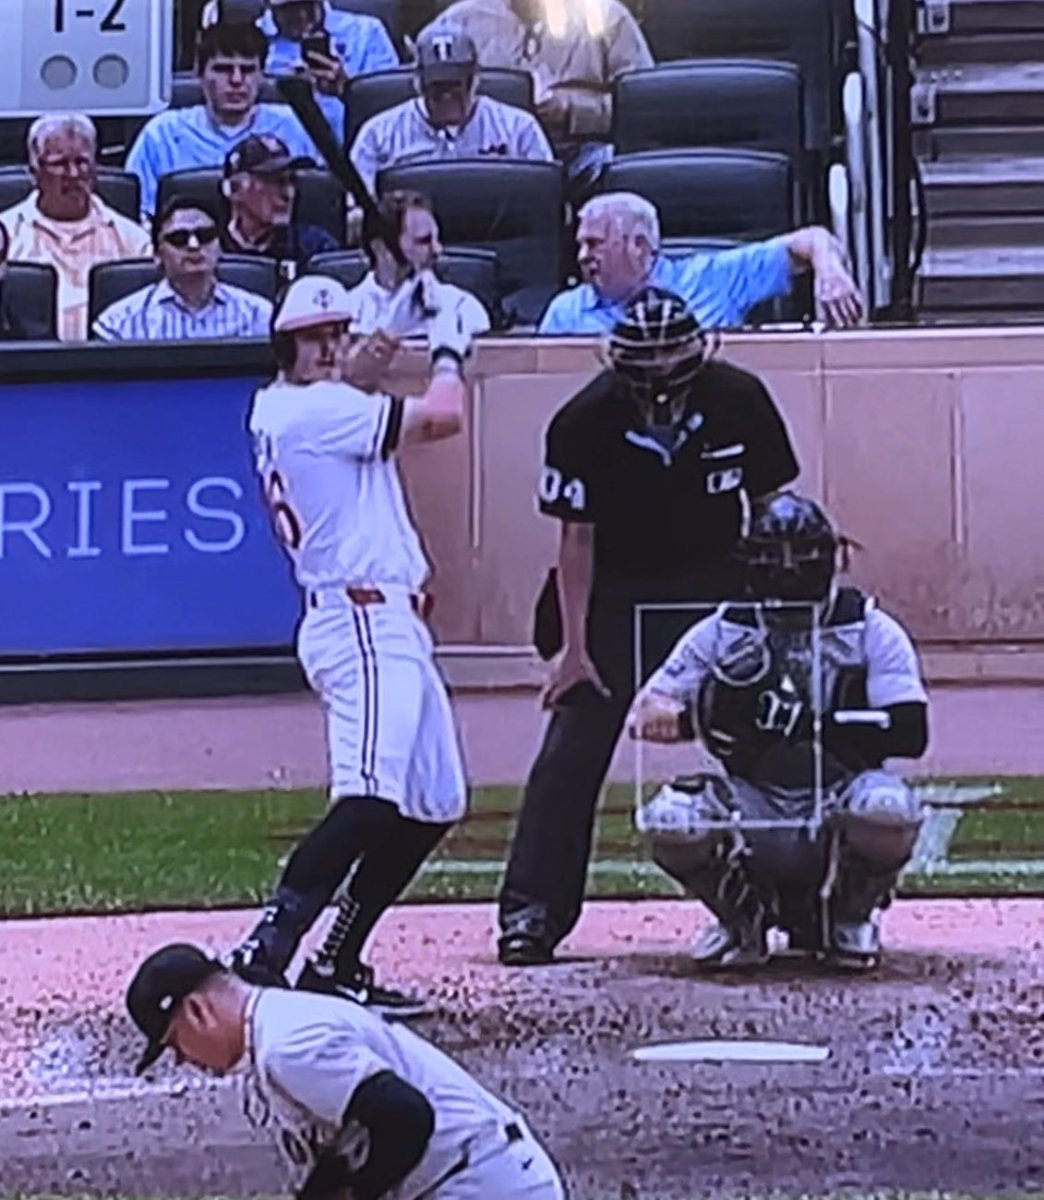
(297, 91)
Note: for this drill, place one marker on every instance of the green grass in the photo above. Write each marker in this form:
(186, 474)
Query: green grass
(154, 850)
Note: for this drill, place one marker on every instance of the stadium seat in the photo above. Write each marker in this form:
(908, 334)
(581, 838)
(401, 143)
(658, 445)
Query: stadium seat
(475, 271)
(388, 11)
(111, 281)
(370, 94)
(743, 194)
(320, 199)
(804, 32)
(748, 103)
(119, 189)
(516, 209)
(787, 308)
(31, 290)
(186, 91)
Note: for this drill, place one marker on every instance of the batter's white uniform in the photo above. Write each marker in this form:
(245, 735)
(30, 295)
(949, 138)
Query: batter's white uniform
(307, 1054)
(404, 134)
(370, 303)
(325, 455)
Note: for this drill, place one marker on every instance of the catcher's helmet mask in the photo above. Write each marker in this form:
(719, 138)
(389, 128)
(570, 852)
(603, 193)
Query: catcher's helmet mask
(790, 559)
(659, 348)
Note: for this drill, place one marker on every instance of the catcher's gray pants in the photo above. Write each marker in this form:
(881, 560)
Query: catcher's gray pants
(876, 815)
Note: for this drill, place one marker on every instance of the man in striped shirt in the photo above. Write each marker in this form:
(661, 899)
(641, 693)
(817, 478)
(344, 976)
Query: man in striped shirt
(63, 222)
(229, 61)
(448, 118)
(188, 302)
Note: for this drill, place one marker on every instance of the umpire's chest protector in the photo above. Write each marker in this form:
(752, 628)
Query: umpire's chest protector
(763, 684)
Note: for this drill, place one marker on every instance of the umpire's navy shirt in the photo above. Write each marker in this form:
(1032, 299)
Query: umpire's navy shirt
(665, 513)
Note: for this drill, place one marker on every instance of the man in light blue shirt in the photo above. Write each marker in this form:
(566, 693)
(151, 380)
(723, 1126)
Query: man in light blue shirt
(229, 62)
(333, 46)
(619, 255)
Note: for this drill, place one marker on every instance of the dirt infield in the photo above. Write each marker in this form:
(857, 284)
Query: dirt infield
(935, 1074)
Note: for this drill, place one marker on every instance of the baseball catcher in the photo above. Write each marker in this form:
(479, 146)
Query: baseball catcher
(797, 726)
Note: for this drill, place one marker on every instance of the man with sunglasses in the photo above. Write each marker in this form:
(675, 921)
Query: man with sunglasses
(260, 186)
(448, 118)
(188, 302)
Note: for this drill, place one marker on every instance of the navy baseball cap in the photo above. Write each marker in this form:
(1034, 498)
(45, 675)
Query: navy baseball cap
(263, 154)
(449, 57)
(162, 981)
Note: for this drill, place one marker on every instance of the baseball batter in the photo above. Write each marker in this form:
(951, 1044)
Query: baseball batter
(749, 675)
(325, 451)
(360, 1109)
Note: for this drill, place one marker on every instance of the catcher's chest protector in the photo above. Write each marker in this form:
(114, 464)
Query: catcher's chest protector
(761, 686)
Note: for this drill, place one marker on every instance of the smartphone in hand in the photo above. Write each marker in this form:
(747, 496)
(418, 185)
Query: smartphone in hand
(316, 43)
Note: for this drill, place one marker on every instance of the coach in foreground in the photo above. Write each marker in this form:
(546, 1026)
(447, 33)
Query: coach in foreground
(359, 1108)
(618, 243)
(751, 681)
(651, 470)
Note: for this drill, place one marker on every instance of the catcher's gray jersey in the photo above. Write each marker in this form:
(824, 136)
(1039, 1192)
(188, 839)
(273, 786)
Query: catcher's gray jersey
(739, 654)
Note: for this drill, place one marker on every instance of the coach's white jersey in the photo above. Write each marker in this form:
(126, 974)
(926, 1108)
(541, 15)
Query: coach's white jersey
(307, 1054)
(324, 452)
(369, 302)
(404, 134)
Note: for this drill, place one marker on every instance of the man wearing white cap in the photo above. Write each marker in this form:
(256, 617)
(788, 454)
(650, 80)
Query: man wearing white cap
(325, 451)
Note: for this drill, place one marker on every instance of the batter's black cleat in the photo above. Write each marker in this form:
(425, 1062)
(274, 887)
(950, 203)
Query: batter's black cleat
(360, 988)
(524, 950)
(855, 946)
(249, 963)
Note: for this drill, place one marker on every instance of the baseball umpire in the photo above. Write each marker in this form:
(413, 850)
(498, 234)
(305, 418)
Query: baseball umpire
(325, 451)
(749, 679)
(653, 470)
(359, 1108)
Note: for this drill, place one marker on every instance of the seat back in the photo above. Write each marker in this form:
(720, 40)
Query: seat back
(119, 189)
(369, 95)
(186, 91)
(30, 290)
(111, 281)
(803, 32)
(743, 194)
(514, 208)
(320, 199)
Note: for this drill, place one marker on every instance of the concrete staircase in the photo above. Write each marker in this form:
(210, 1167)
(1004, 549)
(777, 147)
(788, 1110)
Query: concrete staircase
(978, 111)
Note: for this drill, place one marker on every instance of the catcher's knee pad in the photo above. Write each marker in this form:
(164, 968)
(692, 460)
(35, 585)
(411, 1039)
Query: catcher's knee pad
(685, 824)
(880, 817)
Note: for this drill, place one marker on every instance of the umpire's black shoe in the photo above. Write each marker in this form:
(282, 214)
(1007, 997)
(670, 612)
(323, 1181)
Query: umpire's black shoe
(524, 950)
(360, 988)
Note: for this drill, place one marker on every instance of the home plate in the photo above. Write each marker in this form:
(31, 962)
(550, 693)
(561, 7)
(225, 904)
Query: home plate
(722, 1051)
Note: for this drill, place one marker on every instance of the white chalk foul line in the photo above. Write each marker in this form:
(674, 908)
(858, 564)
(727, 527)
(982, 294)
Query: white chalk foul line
(104, 1092)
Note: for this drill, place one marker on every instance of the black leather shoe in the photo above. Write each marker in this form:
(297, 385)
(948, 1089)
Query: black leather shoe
(523, 950)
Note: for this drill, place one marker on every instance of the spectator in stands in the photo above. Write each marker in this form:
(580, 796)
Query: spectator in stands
(448, 119)
(260, 188)
(619, 255)
(330, 45)
(63, 222)
(188, 301)
(229, 61)
(573, 50)
(411, 215)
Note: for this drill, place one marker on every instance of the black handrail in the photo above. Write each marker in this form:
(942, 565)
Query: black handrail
(902, 33)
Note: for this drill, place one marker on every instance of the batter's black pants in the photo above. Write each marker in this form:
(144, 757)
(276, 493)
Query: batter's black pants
(543, 889)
